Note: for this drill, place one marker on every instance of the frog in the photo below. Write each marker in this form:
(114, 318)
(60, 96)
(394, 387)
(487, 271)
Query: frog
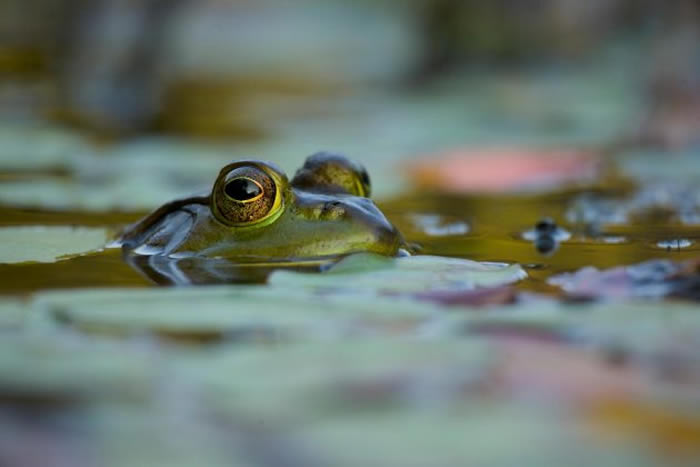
(255, 214)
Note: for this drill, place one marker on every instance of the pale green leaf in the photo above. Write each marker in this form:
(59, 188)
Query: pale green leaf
(46, 244)
(408, 274)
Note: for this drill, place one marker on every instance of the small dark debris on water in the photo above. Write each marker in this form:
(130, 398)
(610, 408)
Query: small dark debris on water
(546, 236)
(545, 226)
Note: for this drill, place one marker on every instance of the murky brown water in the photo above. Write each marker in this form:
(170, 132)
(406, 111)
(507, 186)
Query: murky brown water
(477, 227)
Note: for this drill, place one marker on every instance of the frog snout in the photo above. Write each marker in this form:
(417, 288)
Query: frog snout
(332, 210)
(364, 212)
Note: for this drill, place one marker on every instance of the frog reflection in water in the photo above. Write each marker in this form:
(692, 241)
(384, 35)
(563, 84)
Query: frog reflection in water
(255, 215)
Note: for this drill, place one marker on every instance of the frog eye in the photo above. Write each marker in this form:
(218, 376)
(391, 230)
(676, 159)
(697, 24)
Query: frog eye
(244, 194)
(243, 190)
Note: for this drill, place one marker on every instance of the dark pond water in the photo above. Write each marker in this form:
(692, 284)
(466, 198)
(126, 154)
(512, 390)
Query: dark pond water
(486, 228)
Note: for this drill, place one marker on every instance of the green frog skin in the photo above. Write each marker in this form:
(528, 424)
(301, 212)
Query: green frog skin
(254, 214)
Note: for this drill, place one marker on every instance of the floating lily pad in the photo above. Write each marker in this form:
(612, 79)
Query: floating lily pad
(230, 313)
(487, 433)
(12, 313)
(47, 244)
(361, 392)
(40, 148)
(168, 433)
(57, 370)
(309, 380)
(136, 193)
(390, 383)
(357, 296)
(402, 275)
(658, 334)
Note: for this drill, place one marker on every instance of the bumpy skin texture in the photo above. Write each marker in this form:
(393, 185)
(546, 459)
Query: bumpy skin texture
(322, 212)
(327, 172)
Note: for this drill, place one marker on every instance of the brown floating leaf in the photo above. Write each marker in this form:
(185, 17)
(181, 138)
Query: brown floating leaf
(503, 169)
(476, 298)
(537, 332)
(651, 279)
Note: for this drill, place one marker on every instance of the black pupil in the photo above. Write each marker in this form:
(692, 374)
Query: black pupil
(242, 189)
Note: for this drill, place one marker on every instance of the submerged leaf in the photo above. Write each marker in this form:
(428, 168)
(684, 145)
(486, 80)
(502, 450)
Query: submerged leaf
(47, 244)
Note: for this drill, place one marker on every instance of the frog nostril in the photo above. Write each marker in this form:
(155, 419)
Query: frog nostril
(332, 205)
(332, 210)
